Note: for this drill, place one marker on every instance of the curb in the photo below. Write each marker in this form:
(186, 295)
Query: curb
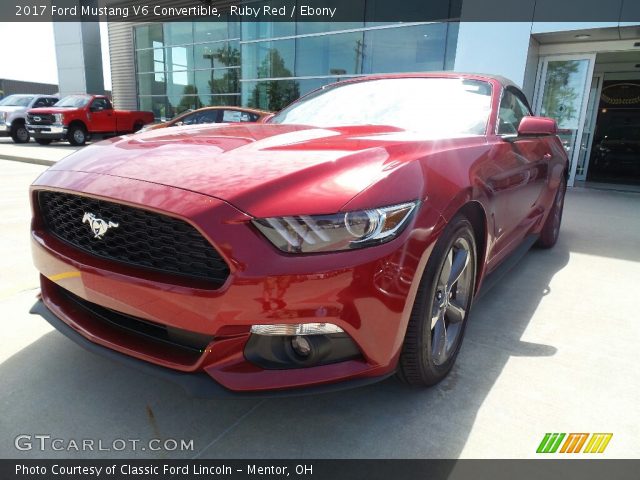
(36, 161)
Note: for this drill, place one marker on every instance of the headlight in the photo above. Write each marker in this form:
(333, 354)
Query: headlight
(58, 117)
(3, 116)
(342, 231)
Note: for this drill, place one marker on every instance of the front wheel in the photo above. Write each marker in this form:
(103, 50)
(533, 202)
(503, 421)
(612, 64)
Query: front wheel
(77, 135)
(441, 308)
(20, 134)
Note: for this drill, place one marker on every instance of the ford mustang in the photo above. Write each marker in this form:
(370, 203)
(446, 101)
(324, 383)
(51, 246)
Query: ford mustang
(340, 242)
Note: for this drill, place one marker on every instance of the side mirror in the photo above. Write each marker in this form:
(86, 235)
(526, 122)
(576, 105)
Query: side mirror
(533, 126)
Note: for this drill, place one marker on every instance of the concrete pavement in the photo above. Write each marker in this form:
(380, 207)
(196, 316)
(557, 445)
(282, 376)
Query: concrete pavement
(33, 153)
(551, 348)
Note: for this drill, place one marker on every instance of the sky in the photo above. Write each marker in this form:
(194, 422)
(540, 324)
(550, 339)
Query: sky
(34, 56)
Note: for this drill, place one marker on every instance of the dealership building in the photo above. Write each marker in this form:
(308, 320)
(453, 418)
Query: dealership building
(586, 75)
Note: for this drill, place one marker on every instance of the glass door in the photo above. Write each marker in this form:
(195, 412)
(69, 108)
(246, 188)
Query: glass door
(562, 94)
(589, 127)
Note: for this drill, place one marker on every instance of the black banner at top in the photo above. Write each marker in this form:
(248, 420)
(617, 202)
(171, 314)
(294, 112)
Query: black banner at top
(370, 11)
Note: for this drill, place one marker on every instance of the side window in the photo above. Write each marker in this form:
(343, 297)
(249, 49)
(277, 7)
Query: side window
(51, 101)
(512, 110)
(188, 120)
(231, 116)
(40, 102)
(248, 117)
(100, 104)
(208, 116)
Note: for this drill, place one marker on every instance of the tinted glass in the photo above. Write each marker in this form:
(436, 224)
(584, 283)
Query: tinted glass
(268, 59)
(511, 112)
(270, 95)
(215, 30)
(437, 107)
(16, 101)
(338, 54)
(74, 101)
(405, 49)
(211, 82)
(178, 33)
(217, 55)
(151, 84)
(148, 36)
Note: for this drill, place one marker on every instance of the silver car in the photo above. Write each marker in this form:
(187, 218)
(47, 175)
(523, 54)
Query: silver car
(13, 114)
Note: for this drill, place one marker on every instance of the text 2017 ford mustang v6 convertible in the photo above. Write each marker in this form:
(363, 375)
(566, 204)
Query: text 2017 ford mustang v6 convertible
(340, 242)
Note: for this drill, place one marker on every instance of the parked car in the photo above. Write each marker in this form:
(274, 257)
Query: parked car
(13, 114)
(341, 242)
(618, 152)
(213, 115)
(77, 118)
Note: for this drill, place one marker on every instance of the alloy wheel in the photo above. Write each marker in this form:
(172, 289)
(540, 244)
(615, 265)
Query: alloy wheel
(451, 301)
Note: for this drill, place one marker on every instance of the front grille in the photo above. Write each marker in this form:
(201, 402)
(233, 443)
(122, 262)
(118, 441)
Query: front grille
(141, 238)
(40, 119)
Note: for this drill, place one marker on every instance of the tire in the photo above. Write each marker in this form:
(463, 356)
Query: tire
(19, 133)
(551, 229)
(441, 307)
(77, 135)
(137, 126)
(43, 141)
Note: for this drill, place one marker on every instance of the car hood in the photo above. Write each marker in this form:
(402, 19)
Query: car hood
(262, 169)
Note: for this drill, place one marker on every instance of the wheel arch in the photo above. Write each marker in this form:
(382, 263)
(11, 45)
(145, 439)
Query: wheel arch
(78, 122)
(475, 213)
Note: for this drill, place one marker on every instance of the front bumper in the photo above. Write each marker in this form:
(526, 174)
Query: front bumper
(5, 129)
(53, 132)
(368, 293)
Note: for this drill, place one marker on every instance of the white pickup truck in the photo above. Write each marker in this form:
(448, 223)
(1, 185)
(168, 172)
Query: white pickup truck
(13, 114)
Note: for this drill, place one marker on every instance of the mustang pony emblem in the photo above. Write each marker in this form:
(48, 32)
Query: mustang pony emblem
(98, 226)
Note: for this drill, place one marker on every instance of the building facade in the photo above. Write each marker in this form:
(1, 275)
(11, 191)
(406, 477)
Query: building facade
(561, 66)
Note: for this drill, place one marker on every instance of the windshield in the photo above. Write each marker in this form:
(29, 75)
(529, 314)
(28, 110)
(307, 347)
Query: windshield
(440, 107)
(16, 101)
(74, 101)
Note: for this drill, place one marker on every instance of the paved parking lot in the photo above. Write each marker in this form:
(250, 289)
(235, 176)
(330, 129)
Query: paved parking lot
(34, 153)
(552, 348)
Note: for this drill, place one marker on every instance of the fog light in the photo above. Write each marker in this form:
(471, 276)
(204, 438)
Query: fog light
(292, 329)
(301, 346)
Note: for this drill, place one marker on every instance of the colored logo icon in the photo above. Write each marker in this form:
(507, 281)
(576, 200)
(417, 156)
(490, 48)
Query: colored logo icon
(574, 443)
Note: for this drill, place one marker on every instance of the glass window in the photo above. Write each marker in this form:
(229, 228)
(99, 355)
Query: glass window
(16, 101)
(157, 105)
(209, 82)
(405, 49)
(178, 33)
(219, 100)
(271, 94)
(179, 84)
(74, 101)
(179, 58)
(151, 84)
(336, 54)
(215, 30)
(178, 104)
(216, 55)
(41, 102)
(150, 60)
(148, 36)
(512, 111)
(100, 104)
(437, 107)
(268, 59)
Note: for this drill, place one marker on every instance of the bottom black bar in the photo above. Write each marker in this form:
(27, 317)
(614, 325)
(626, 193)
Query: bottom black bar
(582, 469)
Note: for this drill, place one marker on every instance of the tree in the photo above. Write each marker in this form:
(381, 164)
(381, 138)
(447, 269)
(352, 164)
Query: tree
(274, 94)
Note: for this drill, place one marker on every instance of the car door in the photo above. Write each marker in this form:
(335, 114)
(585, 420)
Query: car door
(208, 116)
(101, 116)
(520, 170)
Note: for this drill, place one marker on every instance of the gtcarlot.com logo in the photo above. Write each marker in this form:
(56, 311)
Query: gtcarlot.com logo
(574, 443)
(45, 443)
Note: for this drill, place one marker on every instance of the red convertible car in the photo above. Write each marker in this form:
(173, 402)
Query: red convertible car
(337, 244)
